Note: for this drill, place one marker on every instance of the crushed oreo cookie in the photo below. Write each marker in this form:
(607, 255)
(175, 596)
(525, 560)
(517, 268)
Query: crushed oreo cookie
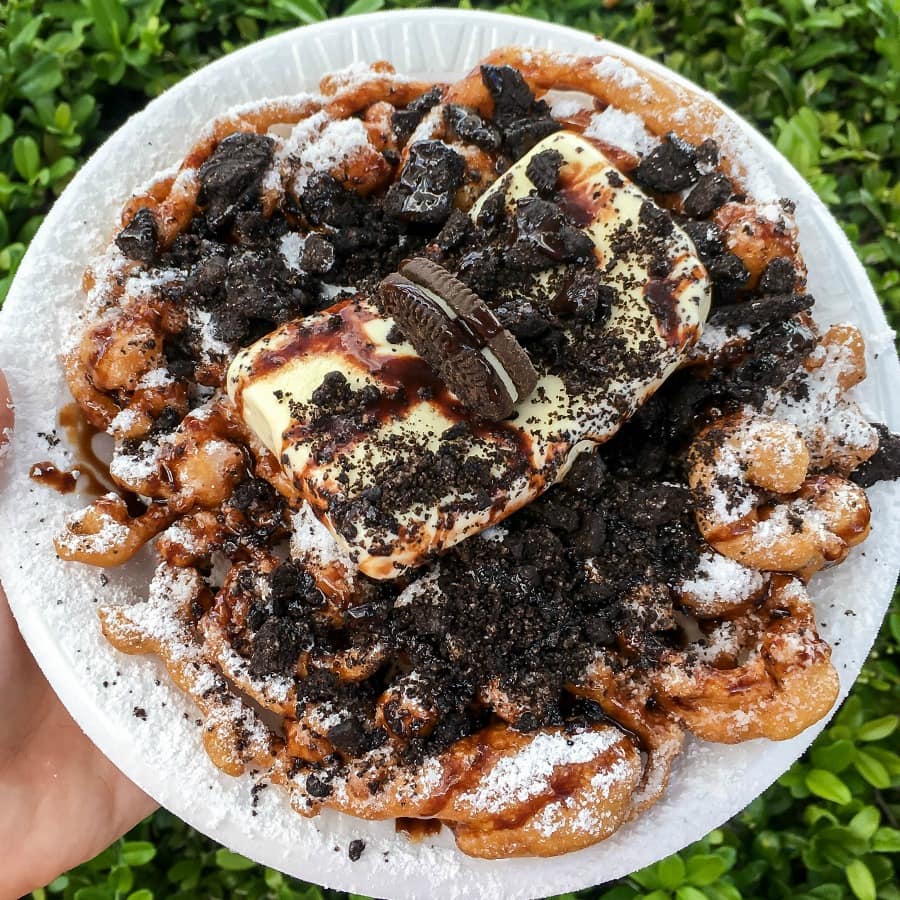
(230, 179)
(427, 183)
(139, 239)
(707, 195)
(671, 166)
(470, 127)
(884, 465)
(521, 120)
(405, 120)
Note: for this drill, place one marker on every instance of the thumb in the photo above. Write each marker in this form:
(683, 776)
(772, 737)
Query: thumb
(7, 415)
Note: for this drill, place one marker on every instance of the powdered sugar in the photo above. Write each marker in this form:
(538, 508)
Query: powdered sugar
(178, 534)
(325, 150)
(312, 542)
(528, 773)
(122, 421)
(143, 284)
(611, 68)
(172, 589)
(291, 247)
(754, 172)
(156, 378)
(422, 588)
(134, 468)
(621, 129)
(495, 534)
(718, 579)
(105, 532)
(587, 815)
(728, 493)
(565, 104)
(211, 347)
(723, 639)
(832, 424)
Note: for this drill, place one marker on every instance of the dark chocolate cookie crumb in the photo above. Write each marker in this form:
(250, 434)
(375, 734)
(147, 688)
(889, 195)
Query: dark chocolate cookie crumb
(759, 312)
(470, 127)
(669, 167)
(708, 194)
(355, 850)
(231, 177)
(455, 232)
(139, 238)
(778, 277)
(522, 120)
(426, 186)
(885, 464)
(318, 254)
(543, 171)
(404, 121)
(333, 393)
(317, 786)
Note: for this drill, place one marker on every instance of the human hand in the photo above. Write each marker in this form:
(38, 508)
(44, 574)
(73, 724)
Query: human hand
(61, 800)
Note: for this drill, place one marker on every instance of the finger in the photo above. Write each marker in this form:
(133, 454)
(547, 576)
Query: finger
(69, 799)
(56, 785)
(7, 415)
(21, 684)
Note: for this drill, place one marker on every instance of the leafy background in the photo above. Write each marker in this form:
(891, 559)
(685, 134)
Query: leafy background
(821, 79)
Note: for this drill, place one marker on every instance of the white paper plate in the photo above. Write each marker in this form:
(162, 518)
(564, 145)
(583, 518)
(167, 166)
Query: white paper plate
(53, 603)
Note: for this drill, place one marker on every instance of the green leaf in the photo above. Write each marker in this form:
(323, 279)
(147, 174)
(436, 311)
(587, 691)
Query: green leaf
(307, 11)
(865, 823)
(878, 729)
(705, 868)
(762, 14)
(646, 878)
(94, 893)
(686, 892)
(835, 757)
(620, 892)
(7, 126)
(860, 880)
(110, 20)
(829, 891)
(142, 894)
(233, 862)
(670, 872)
(816, 813)
(40, 78)
(828, 786)
(137, 853)
(815, 54)
(363, 6)
(722, 891)
(120, 879)
(26, 157)
(872, 770)
(886, 840)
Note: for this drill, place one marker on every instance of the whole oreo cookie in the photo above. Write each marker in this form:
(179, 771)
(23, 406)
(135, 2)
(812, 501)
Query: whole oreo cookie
(459, 337)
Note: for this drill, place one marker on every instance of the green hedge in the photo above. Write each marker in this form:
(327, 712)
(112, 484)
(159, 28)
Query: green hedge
(821, 79)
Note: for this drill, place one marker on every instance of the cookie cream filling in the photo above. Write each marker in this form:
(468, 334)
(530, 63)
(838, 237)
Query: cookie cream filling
(391, 414)
(488, 354)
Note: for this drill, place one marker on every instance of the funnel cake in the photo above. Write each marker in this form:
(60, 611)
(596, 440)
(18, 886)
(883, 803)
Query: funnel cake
(487, 439)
